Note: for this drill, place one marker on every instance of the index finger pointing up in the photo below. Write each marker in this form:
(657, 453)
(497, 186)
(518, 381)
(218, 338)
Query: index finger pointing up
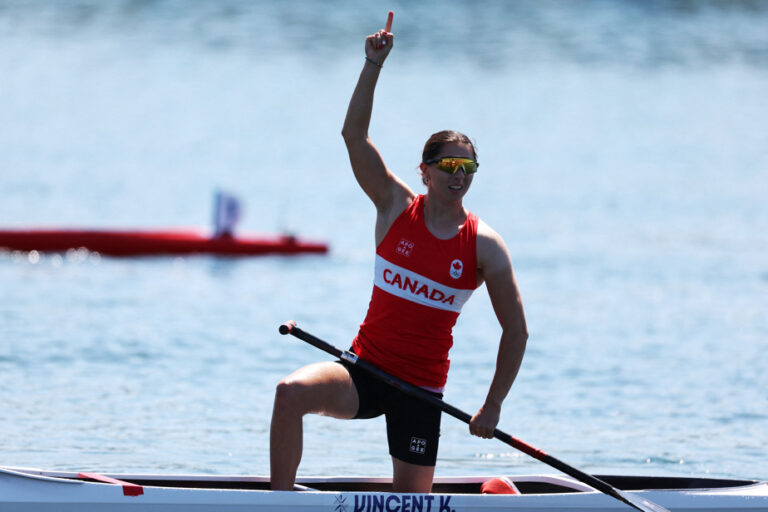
(388, 26)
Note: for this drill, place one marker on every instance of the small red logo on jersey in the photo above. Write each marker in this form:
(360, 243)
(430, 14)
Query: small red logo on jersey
(456, 269)
(404, 247)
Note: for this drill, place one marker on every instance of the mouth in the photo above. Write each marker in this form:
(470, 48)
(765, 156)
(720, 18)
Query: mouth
(456, 187)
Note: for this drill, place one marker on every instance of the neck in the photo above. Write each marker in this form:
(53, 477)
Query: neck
(444, 219)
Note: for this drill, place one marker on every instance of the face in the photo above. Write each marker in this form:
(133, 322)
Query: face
(449, 186)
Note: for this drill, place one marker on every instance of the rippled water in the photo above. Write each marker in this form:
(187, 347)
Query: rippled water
(624, 161)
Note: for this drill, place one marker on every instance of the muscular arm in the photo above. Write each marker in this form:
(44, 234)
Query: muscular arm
(389, 194)
(367, 164)
(496, 268)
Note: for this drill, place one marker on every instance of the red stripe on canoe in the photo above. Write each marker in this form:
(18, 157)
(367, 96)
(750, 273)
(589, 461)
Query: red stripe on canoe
(129, 489)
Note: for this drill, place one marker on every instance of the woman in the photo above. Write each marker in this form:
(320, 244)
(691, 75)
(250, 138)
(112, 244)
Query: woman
(431, 254)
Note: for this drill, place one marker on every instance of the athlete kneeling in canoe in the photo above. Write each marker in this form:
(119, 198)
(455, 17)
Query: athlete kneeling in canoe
(431, 253)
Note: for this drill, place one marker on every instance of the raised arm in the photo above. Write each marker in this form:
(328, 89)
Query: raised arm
(385, 189)
(496, 267)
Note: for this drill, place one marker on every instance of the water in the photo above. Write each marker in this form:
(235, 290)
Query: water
(623, 150)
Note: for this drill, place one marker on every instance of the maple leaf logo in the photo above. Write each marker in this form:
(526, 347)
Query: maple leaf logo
(456, 269)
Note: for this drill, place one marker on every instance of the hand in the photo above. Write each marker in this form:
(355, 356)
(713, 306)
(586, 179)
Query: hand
(484, 422)
(378, 45)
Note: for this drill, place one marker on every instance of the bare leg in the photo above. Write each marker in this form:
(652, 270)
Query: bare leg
(411, 477)
(321, 388)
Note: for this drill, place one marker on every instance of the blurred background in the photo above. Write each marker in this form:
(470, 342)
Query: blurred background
(624, 159)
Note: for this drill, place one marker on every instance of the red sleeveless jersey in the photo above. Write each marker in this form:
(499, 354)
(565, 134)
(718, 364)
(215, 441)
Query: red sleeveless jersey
(420, 285)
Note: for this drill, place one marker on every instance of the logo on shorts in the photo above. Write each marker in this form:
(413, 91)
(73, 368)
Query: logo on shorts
(418, 445)
(457, 267)
(404, 247)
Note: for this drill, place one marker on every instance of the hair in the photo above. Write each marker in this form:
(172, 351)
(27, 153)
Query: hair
(437, 141)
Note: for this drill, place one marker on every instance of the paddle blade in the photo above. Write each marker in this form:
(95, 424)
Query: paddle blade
(639, 502)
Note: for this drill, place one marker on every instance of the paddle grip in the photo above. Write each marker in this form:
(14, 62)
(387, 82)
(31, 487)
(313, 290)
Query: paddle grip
(290, 327)
(287, 327)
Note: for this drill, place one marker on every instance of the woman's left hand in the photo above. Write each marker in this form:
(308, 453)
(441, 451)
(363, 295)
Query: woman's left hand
(484, 422)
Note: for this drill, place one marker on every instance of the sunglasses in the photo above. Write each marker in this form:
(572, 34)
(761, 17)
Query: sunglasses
(451, 164)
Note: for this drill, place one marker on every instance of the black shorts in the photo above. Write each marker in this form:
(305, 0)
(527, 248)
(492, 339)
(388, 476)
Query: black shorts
(413, 427)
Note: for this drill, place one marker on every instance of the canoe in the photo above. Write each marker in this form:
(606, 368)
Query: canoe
(31, 490)
(154, 242)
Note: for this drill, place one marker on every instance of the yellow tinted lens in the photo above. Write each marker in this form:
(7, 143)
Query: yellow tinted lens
(470, 167)
(447, 165)
(451, 165)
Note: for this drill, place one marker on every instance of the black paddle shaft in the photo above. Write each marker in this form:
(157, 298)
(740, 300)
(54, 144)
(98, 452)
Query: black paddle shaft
(637, 502)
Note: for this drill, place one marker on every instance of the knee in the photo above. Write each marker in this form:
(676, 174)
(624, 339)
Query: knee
(290, 396)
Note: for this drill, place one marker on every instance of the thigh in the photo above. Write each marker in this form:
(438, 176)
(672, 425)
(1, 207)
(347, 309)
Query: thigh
(413, 430)
(370, 391)
(323, 388)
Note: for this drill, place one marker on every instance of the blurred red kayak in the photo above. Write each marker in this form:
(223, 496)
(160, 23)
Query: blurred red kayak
(154, 242)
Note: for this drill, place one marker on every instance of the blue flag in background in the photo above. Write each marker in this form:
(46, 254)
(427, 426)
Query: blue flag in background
(226, 213)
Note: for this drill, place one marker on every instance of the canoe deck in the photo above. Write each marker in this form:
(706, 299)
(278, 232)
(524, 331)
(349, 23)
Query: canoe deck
(526, 484)
(27, 490)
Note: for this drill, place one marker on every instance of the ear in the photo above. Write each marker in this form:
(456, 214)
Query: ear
(423, 169)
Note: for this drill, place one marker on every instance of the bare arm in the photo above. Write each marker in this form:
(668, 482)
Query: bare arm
(385, 189)
(500, 280)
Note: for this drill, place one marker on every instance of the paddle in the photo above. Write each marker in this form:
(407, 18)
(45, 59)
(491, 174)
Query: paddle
(628, 498)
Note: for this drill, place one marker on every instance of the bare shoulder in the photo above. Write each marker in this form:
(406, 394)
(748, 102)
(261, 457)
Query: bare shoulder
(387, 211)
(398, 198)
(492, 253)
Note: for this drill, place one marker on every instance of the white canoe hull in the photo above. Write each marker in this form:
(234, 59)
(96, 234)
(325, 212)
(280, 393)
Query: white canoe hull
(24, 490)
